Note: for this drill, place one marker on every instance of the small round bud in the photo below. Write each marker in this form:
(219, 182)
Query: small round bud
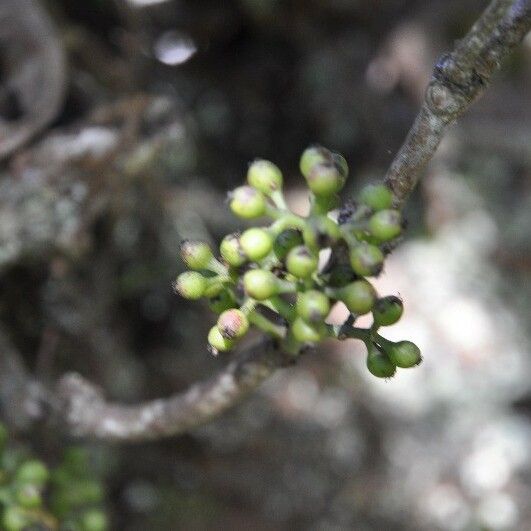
(305, 332)
(260, 284)
(379, 364)
(15, 519)
(264, 176)
(340, 276)
(34, 472)
(231, 250)
(313, 306)
(311, 157)
(196, 254)
(359, 297)
(376, 196)
(387, 310)
(286, 241)
(366, 260)
(301, 262)
(233, 324)
(29, 496)
(385, 224)
(247, 202)
(403, 354)
(94, 520)
(217, 342)
(325, 179)
(321, 232)
(191, 285)
(341, 164)
(224, 300)
(256, 243)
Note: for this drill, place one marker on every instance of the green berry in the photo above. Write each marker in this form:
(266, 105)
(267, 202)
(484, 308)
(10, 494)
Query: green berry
(264, 176)
(94, 520)
(340, 276)
(15, 519)
(325, 179)
(260, 284)
(313, 306)
(387, 310)
(233, 324)
(231, 250)
(341, 164)
(224, 300)
(320, 232)
(34, 472)
(286, 241)
(385, 225)
(311, 157)
(256, 243)
(196, 254)
(301, 262)
(403, 354)
(247, 202)
(191, 285)
(28, 496)
(305, 332)
(379, 364)
(376, 196)
(366, 260)
(217, 342)
(359, 296)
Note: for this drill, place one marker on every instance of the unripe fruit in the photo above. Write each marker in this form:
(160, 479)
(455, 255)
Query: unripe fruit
(379, 364)
(325, 179)
(15, 519)
(233, 324)
(217, 342)
(94, 520)
(305, 332)
(29, 496)
(385, 224)
(301, 262)
(191, 285)
(366, 260)
(256, 243)
(341, 164)
(311, 157)
(196, 254)
(313, 306)
(34, 472)
(359, 296)
(403, 354)
(260, 284)
(224, 300)
(387, 310)
(286, 241)
(376, 196)
(321, 232)
(340, 276)
(247, 202)
(264, 176)
(231, 250)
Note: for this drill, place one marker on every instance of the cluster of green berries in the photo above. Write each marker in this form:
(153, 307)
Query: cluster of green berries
(278, 278)
(33, 496)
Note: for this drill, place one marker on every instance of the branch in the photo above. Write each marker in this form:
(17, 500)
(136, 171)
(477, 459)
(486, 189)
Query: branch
(86, 413)
(458, 79)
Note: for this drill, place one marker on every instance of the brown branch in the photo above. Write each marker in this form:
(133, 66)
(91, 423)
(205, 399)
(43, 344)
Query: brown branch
(86, 413)
(458, 79)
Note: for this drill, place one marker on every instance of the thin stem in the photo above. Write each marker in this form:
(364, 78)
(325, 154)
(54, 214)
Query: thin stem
(264, 324)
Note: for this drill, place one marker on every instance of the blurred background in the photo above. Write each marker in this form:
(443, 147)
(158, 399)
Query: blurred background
(123, 124)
